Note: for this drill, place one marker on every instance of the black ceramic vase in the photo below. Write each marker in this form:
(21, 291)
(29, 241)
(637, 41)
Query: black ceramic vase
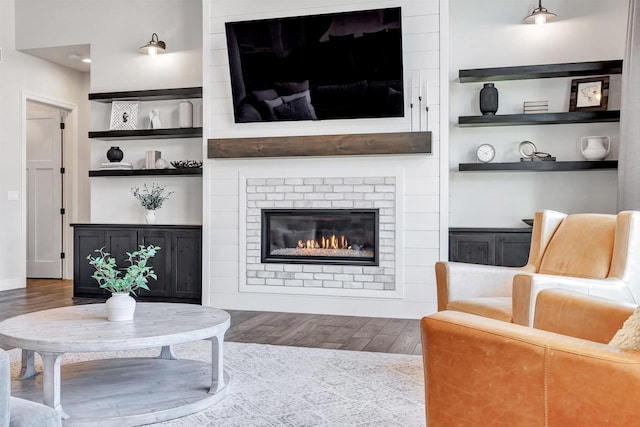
(115, 154)
(488, 99)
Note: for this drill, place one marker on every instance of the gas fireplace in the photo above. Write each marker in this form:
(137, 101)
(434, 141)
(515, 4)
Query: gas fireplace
(320, 236)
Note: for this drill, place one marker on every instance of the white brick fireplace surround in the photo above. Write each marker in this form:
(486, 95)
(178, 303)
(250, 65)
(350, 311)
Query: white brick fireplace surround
(405, 190)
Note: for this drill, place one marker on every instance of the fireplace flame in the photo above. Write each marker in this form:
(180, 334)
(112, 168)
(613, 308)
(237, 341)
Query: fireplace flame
(333, 242)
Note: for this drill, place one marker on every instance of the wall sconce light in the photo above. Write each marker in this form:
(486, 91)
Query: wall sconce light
(154, 46)
(540, 15)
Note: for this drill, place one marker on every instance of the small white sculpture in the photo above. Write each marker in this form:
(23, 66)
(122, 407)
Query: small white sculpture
(154, 119)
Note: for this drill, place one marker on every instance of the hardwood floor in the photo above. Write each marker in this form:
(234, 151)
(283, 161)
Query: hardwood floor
(294, 329)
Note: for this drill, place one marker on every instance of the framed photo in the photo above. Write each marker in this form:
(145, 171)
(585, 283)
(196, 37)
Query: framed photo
(124, 115)
(590, 94)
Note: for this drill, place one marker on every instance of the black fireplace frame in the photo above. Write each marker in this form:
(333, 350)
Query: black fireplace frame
(266, 257)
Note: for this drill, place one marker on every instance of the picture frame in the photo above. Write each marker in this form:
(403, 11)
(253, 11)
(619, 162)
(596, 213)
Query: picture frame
(124, 116)
(590, 94)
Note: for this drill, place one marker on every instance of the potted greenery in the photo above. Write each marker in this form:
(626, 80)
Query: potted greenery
(121, 305)
(151, 197)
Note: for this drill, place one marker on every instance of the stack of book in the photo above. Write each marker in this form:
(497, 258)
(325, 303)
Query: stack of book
(151, 157)
(533, 107)
(116, 166)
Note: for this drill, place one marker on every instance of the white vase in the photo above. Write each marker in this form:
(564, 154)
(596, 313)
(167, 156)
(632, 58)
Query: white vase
(120, 307)
(595, 147)
(185, 114)
(150, 216)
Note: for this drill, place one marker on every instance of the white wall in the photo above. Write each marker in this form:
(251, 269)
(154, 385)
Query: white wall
(22, 75)
(422, 198)
(493, 36)
(115, 29)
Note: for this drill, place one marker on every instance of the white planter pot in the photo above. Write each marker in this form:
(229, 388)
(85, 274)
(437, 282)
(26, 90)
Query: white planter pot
(150, 217)
(120, 307)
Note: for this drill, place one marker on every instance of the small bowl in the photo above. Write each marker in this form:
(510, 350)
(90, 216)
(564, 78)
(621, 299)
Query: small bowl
(528, 221)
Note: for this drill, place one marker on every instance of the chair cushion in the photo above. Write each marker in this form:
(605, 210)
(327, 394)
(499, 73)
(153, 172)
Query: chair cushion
(582, 246)
(494, 307)
(25, 413)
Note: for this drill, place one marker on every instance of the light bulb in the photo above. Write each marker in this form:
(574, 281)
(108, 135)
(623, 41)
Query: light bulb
(541, 19)
(152, 50)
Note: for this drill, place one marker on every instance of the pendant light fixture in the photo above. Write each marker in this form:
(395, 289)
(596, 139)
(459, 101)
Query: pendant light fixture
(540, 15)
(154, 46)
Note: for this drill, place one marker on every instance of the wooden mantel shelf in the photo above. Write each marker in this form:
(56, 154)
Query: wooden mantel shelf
(321, 145)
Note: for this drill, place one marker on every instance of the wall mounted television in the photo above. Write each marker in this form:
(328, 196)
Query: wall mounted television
(331, 66)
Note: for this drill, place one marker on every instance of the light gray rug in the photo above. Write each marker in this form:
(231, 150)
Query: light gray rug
(291, 386)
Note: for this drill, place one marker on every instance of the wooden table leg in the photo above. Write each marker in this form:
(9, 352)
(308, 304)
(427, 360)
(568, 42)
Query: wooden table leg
(51, 381)
(28, 369)
(217, 364)
(167, 353)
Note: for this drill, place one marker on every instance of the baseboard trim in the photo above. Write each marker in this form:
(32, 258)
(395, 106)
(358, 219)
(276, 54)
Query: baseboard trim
(15, 283)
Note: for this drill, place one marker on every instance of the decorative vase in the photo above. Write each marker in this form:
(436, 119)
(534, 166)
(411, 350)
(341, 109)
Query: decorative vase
(150, 216)
(488, 99)
(185, 114)
(115, 154)
(595, 147)
(120, 307)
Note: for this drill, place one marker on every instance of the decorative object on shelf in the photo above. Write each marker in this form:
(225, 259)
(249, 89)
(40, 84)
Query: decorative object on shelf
(116, 166)
(121, 306)
(183, 164)
(154, 119)
(485, 153)
(154, 46)
(185, 114)
(528, 221)
(595, 147)
(488, 99)
(591, 94)
(533, 107)
(530, 153)
(114, 154)
(150, 158)
(124, 115)
(162, 164)
(540, 15)
(151, 197)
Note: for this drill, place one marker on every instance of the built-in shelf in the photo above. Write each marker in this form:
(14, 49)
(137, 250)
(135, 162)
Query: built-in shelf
(148, 172)
(571, 69)
(540, 119)
(147, 133)
(539, 166)
(148, 95)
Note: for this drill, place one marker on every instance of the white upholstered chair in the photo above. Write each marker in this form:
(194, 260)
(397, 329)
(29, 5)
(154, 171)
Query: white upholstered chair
(593, 254)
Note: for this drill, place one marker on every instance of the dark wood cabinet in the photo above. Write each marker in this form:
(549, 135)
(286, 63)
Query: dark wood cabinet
(490, 246)
(178, 264)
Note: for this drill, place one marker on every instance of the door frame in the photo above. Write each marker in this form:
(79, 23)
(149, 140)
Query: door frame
(70, 186)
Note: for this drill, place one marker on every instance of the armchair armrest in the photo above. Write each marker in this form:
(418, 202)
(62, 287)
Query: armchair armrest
(457, 280)
(479, 370)
(579, 315)
(527, 286)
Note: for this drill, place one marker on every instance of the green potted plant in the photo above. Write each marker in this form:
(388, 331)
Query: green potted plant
(121, 306)
(151, 197)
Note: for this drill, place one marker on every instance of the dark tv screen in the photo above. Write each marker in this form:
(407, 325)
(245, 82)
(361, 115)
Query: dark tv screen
(332, 66)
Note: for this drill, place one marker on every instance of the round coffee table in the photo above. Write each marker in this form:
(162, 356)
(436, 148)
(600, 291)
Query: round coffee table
(120, 391)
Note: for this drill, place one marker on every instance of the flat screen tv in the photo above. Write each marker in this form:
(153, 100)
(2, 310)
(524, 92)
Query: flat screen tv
(332, 66)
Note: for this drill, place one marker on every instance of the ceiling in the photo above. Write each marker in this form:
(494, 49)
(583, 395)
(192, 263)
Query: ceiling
(67, 56)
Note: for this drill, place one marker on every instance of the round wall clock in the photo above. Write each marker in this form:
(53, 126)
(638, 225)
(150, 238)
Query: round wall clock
(485, 153)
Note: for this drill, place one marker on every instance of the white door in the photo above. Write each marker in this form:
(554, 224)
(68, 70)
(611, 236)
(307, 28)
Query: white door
(44, 192)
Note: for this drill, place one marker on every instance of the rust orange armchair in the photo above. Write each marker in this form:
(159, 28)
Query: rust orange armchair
(594, 254)
(481, 371)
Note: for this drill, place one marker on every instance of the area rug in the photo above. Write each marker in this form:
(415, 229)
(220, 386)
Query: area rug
(292, 386)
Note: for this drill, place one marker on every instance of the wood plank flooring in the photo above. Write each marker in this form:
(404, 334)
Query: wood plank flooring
(293, 329)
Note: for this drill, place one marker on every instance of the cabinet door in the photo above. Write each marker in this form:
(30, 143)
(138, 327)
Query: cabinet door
(85, 241)
(473, 248)
(187, 261)
(512, 249)
(161, 262)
